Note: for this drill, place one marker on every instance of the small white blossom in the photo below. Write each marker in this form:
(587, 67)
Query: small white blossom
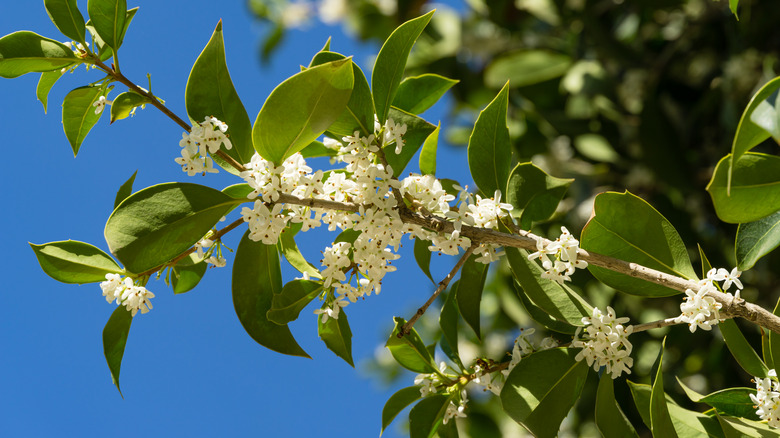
(606, 343)
(331, 311)
(565, 262)
(767, 399)
(100, 104)
(126, 293)
(698, 309)
(456, 411)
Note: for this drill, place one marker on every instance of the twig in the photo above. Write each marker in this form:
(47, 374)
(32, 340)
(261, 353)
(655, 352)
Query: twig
(442, 285)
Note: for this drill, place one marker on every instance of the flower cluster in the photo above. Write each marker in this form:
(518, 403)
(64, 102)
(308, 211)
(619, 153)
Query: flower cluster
(767, 398)
(455, 411)
(699, 309)
(564, 251)
(126, 293)
(203, 139)
(606, 343)
(429, 382)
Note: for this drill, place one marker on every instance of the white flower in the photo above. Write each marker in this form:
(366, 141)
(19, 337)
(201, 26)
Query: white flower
(455, 411)
(100, 104)
(218, 262)
(698, 309)
(767, 398)
(606, 343)
(333, 310)
(332, 11)
(112, 287)
(565, 250)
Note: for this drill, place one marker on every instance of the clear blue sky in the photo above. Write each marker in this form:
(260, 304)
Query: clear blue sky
(189, 370)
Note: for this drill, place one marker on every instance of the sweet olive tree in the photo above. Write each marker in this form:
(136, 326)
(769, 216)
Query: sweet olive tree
(372, 131)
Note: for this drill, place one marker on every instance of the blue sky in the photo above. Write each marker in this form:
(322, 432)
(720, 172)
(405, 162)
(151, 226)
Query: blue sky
(189, 367)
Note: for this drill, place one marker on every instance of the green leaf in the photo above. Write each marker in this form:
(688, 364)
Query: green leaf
(292, 254)
(448, 321)
(108, 17)
(391, 62)
(26, 52)
(156, 224)
(749, 135)
(124, 190)
(773, 340)
(534, 194)
(428, 153)
(739, 347)
(733, 6)
(257, 277)
(301, 108)
(527, 67)
(417, 131)
(610, 419)
(490, 150)
(114, 340)
(71, 261)
(187, 274)
(729, 401)
(337, 336)
(423, 257)
(628, 228)
(104, 52)
(541, 390)
(765, 116)
(559, 301)
(596, 148)
(427, 415)
(210, 93)
(295, 295)
(418, 93)
(397, 403)
(47, 80)
(757, 239)
(317, 149)
(78, 114)
(125, 103)
(744, 428)
(755, 188)
(660, 420)
(409, 350)
(469, 292)
(686, 423)
(238, 191)
(359, 114)
(66, 16)
(542, 317)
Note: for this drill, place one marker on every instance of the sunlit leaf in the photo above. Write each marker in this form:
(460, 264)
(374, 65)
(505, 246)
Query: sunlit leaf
(114, 340)
(295, 295)
(108, 17)
(337, 336)
(610, 419)
(418, 93)
(71, 261)
(489, 150)
(409, 350)
(47, 80)
(397, 402)
(534, 194)
(25, 52)
(469, 292)
(78, 114)
(755, 188)
(745, 355)
(66, 16)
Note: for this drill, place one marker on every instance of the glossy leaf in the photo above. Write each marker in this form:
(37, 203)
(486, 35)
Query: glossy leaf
(686, 423)
(754, 177)
(628, 228)
(490, 150)
(257, 277)
(397, 403)
(765, 116)
(125, 103)
(187, 273)
(156, 224)
(409, 350)
(660, 420)
(337, 336)
(526, 67)
(104, 51)
(448, 321)
(108, 17)
(559, 301)
(359, 114)
(124, 190)
(469, 292)
(238, 191)
(729, 401)
(744, 428)
(289, 249)
(423, 257)
(739, 347)
(295, 295)
(70, 261)
(426, 416)
(428, 153)
(317, 149)
(114, 340)
(66, 16)
(47, 80)
(417, 131)
(757, 239)
(78, 114)
(610, 419)
(25, 52)
(733, 6)
(418, 93)
(391, 62)
(534, 194)
(542, 388)
(301, 108)
(542, 317)
(210, 93)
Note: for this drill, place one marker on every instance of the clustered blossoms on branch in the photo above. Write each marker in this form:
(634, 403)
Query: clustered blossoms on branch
(126, 293)
(606, 343)
(564, 251)
(699, 309)
(767, 398)
(204, 138)
(429, 384)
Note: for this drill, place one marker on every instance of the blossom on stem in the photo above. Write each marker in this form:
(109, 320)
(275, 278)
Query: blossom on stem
(455, 411)
(565, 262)
(700, 310)
(126, 293)
(100, 104)
(606, 342)
(767, 398)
